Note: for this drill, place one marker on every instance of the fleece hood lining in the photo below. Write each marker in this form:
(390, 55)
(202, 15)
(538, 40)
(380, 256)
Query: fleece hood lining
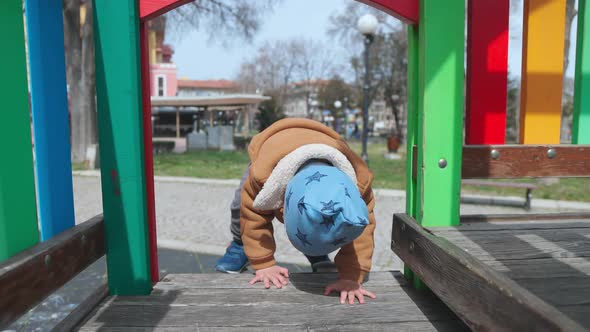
(271, 197)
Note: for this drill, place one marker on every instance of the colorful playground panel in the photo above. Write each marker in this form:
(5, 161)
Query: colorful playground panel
(436, 95)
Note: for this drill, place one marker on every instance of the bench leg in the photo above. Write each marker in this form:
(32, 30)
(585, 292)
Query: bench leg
(528, 199)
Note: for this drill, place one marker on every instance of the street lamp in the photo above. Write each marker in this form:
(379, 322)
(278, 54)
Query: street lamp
(367, 25)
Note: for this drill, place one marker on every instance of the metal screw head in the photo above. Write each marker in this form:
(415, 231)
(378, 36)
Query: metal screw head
(442, 163)
(551, 153)
(47, 260)
(495, 154)
(392, 242)
(412, 246)
(403, 227)
(83, 239)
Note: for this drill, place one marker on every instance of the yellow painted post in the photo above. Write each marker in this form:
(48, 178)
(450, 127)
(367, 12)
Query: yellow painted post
(542, 71)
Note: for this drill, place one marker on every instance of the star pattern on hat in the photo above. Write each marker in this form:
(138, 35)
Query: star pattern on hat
(330, 206)
(362, 220)
(288, 199)
(302, 237)
(328, 221)
(317, 176)
(339, 241)
(301, 205)
(346, 192)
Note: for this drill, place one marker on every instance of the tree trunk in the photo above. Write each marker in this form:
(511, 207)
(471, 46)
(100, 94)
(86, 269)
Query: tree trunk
(88, 84)
(570, 14)
(73, 45)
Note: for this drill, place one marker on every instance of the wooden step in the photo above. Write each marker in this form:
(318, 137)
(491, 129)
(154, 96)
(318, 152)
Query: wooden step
(222, 302)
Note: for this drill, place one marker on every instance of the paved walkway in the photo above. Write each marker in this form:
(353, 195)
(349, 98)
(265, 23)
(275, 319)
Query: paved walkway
(193, 216)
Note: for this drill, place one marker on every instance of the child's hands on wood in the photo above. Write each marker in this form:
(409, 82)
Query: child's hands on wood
(275, 274)
(349, 289)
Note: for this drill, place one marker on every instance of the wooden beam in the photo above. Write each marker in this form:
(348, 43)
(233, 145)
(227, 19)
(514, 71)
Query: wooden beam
(119, 102)
(148, 150)
(483, 298)
(487, 71)
(440, 110)
(405, 10)
(18, 210)
(149, 9)
(32, 275)
(79, 314)
(581, 121)
(517, 161)
(469, 218)
(49, 100)
(542, 71)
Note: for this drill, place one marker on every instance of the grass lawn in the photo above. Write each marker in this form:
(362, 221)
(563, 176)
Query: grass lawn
(389, 174)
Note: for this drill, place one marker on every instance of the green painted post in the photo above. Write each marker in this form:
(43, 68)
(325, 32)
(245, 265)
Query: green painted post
(18, 211)
(581, 123)
(118, 86)
(412, 125)
(440, 120)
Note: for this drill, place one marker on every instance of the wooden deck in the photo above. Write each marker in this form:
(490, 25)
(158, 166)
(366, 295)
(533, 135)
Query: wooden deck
(220, 302)
(526, 270)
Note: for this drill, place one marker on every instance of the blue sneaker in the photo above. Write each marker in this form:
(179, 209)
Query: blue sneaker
(234, 260)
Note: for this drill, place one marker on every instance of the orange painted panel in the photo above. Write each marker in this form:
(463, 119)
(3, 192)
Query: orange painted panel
(542, 71)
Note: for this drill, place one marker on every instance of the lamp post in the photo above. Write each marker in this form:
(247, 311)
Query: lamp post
(367, 25)
(337, 105)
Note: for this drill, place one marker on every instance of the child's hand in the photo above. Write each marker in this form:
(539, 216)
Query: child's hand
(350, 289)
(274, 274)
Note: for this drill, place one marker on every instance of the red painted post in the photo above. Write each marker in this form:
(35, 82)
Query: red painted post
(148, 150)
(487, 71)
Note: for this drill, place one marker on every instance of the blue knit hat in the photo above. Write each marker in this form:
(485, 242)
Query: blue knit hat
(323, 210)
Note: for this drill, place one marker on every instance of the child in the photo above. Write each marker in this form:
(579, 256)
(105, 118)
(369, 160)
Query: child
(304, 174)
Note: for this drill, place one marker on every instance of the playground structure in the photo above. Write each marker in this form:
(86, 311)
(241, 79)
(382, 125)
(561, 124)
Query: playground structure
(494, 272)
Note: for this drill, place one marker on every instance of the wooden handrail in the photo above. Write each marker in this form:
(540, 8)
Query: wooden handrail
(29, 277)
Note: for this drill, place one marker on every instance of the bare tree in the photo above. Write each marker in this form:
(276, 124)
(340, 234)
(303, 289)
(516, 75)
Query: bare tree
(315, 62)
(234, 19)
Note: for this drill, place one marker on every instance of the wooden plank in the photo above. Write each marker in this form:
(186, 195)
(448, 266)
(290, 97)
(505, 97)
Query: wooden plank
(149, 9)
(542, 71)
(531, 217)
(148, 150)
(406, 11)
(49, 102)
(441, 71)
(254, 314)
(32, 275)
(516, 161)
(18, 211)
(78, 315)
(487, 71)
(118, 88)
(509, 244)
(396, 326)
(581, 120)
(468, 286)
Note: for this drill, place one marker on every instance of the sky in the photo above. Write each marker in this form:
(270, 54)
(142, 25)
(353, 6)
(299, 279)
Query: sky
(197, 58)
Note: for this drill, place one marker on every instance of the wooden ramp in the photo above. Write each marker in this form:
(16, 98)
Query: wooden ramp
(505, 274)
(221, 302)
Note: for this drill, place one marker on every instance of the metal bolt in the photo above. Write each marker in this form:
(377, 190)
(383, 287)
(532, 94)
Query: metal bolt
(47, 260)
(412, 246)
(403, 227)
(392, 242)
(551, 153)
(442, 163)
(83, 239)
(495, 154)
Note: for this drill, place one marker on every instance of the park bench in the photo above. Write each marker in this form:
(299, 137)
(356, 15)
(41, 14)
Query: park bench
(528, 196)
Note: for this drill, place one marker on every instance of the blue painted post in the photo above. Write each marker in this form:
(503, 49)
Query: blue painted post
(50, 116)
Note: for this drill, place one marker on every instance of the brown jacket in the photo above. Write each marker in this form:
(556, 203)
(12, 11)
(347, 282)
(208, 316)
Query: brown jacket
(266, 150)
